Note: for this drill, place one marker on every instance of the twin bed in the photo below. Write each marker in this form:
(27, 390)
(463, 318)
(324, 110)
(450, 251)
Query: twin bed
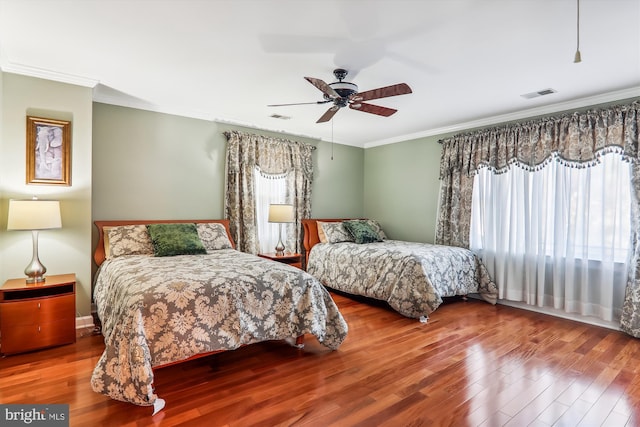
(413, 278)
(170, 291)
(162, 302)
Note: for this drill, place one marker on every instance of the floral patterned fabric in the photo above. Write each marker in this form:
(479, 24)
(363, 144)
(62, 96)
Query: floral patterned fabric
(630, 319)
(128, 240)
(213, 236)
(412, 277)
(273, 156)
(335, 232)
(158, 310)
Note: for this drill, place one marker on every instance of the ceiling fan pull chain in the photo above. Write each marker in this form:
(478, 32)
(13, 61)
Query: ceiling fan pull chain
(577, 58)
(332, 139)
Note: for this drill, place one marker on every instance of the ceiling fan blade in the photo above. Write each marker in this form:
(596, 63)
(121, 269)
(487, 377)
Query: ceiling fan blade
(373, 109)
(325, 88)
(328, 115)
(299, 103)
(383, 92)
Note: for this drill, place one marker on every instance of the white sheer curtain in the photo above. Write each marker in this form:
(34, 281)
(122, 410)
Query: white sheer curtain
(556, 237)
(269, 188)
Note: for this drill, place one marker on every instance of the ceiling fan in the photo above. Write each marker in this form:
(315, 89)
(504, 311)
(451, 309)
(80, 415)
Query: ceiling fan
(343, 94)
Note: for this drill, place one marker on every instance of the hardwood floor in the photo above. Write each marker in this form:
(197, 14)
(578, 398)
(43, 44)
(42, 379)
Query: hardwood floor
(472, 364)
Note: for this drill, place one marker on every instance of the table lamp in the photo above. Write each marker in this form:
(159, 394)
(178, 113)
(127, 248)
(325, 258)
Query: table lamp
(34, 215)
(280, 214)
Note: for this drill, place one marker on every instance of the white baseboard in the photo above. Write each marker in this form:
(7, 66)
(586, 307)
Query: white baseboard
(559, 313)
(84, 322)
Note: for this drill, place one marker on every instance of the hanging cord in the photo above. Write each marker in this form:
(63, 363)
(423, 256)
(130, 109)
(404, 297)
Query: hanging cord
(578, 57)
(332, 139)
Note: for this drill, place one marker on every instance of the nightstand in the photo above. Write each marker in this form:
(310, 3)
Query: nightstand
(294, 260)
(37, 315)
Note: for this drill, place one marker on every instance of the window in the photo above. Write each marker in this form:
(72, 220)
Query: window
(269, 188)
(556, 237)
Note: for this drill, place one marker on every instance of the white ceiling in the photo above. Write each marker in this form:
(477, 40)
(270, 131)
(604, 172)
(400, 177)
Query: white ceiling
(467, 61)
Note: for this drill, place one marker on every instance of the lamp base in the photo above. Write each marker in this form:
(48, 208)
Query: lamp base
(280, 245)
(35, 270)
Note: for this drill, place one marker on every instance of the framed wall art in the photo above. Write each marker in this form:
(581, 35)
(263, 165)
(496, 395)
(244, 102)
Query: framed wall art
(48, 151)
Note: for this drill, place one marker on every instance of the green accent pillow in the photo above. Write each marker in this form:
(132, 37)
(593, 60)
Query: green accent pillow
(375, 225)
(362, 231)
(175, 239)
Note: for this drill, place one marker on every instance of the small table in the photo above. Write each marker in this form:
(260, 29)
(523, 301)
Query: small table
(294, 260)
(37, 315)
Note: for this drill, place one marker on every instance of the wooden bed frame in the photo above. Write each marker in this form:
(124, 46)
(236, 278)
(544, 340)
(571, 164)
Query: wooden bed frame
(99, 256)
(310, 235)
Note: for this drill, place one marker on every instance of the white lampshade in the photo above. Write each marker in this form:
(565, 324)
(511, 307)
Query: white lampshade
(280, 213)
(34, 215)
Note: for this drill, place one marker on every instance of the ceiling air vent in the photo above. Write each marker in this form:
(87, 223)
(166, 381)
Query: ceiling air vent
(538, 93)
(280, 116)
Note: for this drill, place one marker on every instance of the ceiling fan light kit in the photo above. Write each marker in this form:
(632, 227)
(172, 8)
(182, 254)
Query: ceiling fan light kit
(343, 94)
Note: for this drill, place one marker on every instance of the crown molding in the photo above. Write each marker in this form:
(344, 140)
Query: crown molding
(138, 104)
(42, 73)
(518, 115)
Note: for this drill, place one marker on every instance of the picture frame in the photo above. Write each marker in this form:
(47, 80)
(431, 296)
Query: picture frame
(48, 151)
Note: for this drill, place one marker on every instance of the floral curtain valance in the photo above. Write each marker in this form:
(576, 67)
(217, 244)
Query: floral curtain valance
(272, 155)
(577, 139)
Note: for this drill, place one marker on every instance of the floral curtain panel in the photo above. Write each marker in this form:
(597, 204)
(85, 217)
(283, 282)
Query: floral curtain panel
(576, 139)
(273, 156)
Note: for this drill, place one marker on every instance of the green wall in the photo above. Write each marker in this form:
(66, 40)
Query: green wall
(338, 181)
(401, 188)
(149, 165)
(65, 250)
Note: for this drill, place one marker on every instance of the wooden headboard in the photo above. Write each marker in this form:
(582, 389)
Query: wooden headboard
(99, 254)
(310, 234)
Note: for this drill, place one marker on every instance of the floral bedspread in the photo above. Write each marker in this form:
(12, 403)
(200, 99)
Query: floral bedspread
(412, 277)
(157, 310)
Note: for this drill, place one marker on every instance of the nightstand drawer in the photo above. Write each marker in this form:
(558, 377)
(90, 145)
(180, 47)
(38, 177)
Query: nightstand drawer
(42, 310)
(30, 337)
